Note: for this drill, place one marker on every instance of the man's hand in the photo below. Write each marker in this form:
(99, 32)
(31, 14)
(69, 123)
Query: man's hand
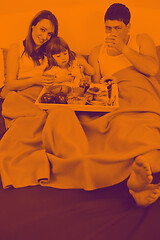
(114, 41)
(108, 78)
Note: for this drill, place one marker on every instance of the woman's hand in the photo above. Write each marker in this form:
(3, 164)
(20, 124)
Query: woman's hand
(64, 76)
(61, 77)
(48, 80)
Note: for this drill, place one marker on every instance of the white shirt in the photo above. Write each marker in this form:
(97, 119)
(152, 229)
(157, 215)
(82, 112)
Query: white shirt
(112, 64)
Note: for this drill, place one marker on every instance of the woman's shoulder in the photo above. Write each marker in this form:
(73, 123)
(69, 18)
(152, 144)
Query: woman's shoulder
(13, 52)
(16, 48)
(13, 47)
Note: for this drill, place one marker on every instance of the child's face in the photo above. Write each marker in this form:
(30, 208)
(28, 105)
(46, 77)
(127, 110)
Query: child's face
(61, 58)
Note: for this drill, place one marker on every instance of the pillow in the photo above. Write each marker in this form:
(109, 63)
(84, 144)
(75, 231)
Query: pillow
(2, 78)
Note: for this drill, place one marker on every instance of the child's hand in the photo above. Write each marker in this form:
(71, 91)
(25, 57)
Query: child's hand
(81, 61)
(85, 67)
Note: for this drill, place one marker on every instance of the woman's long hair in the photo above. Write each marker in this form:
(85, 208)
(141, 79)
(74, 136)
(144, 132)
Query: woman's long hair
(29, 45)
(55, 46)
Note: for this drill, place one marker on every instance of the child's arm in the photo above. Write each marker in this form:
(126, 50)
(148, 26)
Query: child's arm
(93, 61)
(88, 69)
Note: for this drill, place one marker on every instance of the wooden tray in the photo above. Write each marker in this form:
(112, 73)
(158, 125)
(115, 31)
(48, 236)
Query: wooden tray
(80, 107)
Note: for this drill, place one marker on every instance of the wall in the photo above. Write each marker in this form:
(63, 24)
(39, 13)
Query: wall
(80, 22)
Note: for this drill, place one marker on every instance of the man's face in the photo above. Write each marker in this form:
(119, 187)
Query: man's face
(114, 27)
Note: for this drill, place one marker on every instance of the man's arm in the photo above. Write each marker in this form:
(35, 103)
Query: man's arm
(93, 61)
(146, 61)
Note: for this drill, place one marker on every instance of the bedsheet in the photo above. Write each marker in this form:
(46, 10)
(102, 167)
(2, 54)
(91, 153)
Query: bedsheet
(2, 123)
(47, 213)
(99, 153)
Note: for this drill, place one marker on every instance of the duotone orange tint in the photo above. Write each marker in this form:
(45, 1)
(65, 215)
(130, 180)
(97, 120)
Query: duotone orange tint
(77, 150)
(80, 22)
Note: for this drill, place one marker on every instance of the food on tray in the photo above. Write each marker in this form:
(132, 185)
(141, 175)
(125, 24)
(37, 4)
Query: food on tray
(47, 97)
(84, 83)
(101, 95)
(77, 100)
(98, 103)
(60, 88)
(93, 90)
(76, 92)
(61, 98)
(89, 96)
(109, 87)
(96, 94)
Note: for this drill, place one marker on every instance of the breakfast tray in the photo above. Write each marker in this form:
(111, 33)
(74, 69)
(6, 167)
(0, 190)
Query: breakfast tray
(84, 107)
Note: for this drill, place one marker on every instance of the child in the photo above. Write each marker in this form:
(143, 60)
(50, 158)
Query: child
(64, 66)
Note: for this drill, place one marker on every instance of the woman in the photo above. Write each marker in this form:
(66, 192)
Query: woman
(27, 149)
(26, 60)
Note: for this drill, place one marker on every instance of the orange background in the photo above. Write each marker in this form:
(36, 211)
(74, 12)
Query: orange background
(10, 6)
(80, 21)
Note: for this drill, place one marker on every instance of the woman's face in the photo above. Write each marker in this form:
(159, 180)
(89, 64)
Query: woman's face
(62, 58)
(42, 32)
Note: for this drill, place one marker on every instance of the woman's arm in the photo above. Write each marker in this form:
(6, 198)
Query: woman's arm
(56, 75)
(93, 61)
(12, 81)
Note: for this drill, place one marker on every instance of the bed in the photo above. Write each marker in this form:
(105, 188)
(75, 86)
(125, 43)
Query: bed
(48, 213)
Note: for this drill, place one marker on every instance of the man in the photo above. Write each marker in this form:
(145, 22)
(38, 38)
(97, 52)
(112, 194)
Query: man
(120, 51)
(117, 39)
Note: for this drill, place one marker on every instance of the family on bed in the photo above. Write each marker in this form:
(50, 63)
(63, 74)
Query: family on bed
(64, 149)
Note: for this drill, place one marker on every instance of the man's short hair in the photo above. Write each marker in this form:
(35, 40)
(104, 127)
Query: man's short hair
(119, 12)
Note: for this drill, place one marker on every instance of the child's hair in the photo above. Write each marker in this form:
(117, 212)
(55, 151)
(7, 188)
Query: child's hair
(55, 46)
